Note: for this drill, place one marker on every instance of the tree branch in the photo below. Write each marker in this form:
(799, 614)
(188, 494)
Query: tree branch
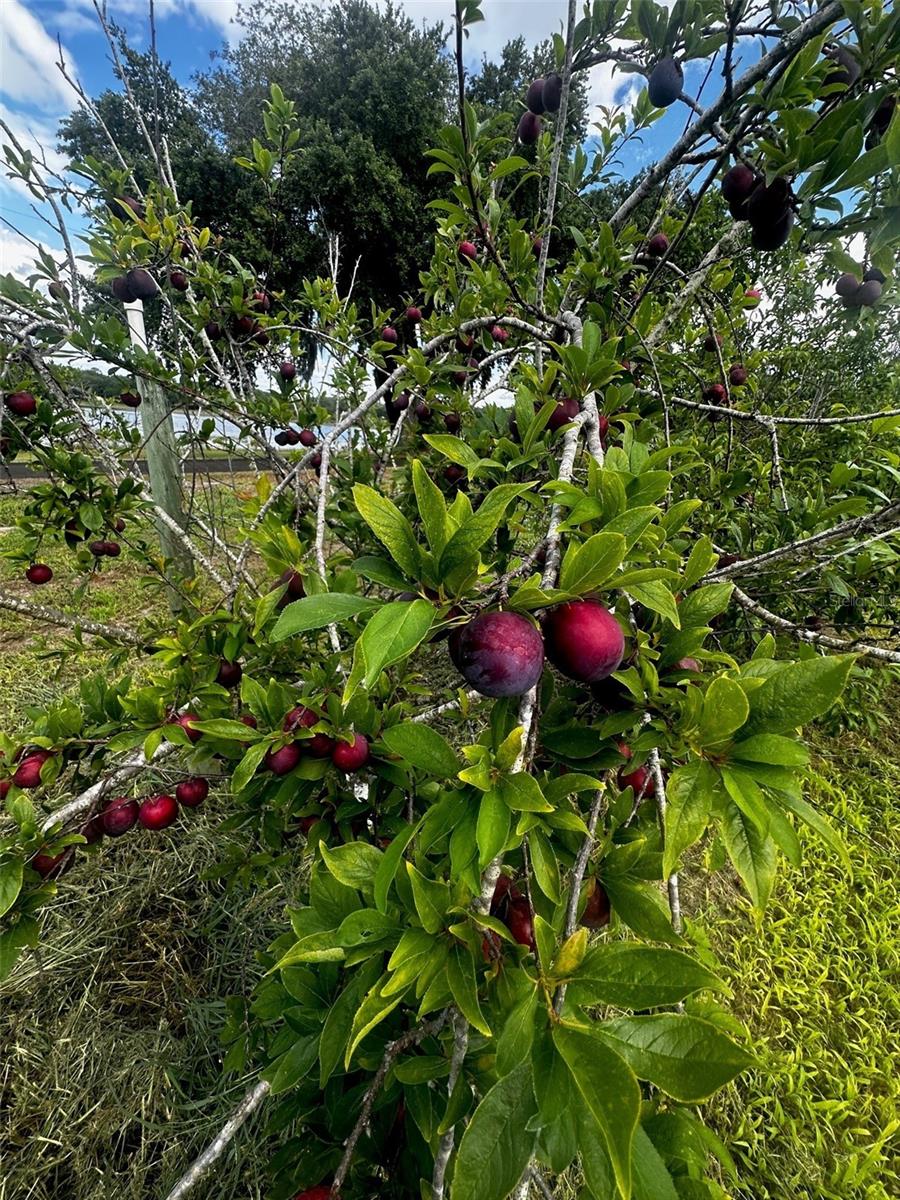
(43, 612)
(221, 1141)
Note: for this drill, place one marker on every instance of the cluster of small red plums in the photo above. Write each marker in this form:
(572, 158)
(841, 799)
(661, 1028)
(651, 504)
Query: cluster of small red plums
(543, 96)
(502, 653)
(413, 313)
(346, 756)
(40, 573)
(510, 905)
(717, 393)
(293, 437)
(116, 817)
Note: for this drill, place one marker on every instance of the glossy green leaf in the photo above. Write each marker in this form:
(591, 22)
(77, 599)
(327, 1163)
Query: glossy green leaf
(751, 852)
(690, 791)
(497, 1145)
(610, 1093)
(11, 872)
(354, 864)
(797, 693)
(628, 975)
(315, 612)
(391, 528)
(686, 1057)
(422, 747)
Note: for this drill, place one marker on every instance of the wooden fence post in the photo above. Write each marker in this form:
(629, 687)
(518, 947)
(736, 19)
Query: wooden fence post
(163, 463)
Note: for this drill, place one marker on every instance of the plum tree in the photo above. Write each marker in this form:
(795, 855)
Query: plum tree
(477, 902)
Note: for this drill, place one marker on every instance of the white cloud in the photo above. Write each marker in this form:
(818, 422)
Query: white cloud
(28, 55)
(17, 254)
(35, 133)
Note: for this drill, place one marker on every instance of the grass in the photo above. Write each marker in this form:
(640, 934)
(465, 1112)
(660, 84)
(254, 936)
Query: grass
(111, 1072)
(817, 984)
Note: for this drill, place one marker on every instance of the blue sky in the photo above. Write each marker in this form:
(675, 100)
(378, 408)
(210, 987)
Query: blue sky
(33, 94)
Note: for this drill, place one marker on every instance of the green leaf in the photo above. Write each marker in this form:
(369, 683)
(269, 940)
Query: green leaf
(773, 749)
(610, 1093)
(392, 634)
(314, 947)
(11, 872)
(819, 823)
(339, 1022)
(544, 864)
(389, 864)
(642, 908)
(690, 792)
(472, 535)
(354, 864)
(461, 977)
(454, 448)
(628, 975)
(873, 162)
(492, 829)
(700, 560)
(422, 747)
(592, 564)
(431, 898)
(13, 941)
(507, 165)
(380, 570)
(246, 768)
(370, 1013)
(571, 954)
(517, 1035)
(295, 1064)
(595, 1161)
(315, 612)
(797, 693)
(747, 795)
(686, 1057)
(497, 1145)
(432, 508)
(654, 594)
(220, 727)
(652, 1180)
(522, 793)
(752, 853)
(725, 710)
(422, 1068)
(391, 528)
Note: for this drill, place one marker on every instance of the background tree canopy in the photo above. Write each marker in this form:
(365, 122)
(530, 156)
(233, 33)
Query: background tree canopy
(372, 89)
